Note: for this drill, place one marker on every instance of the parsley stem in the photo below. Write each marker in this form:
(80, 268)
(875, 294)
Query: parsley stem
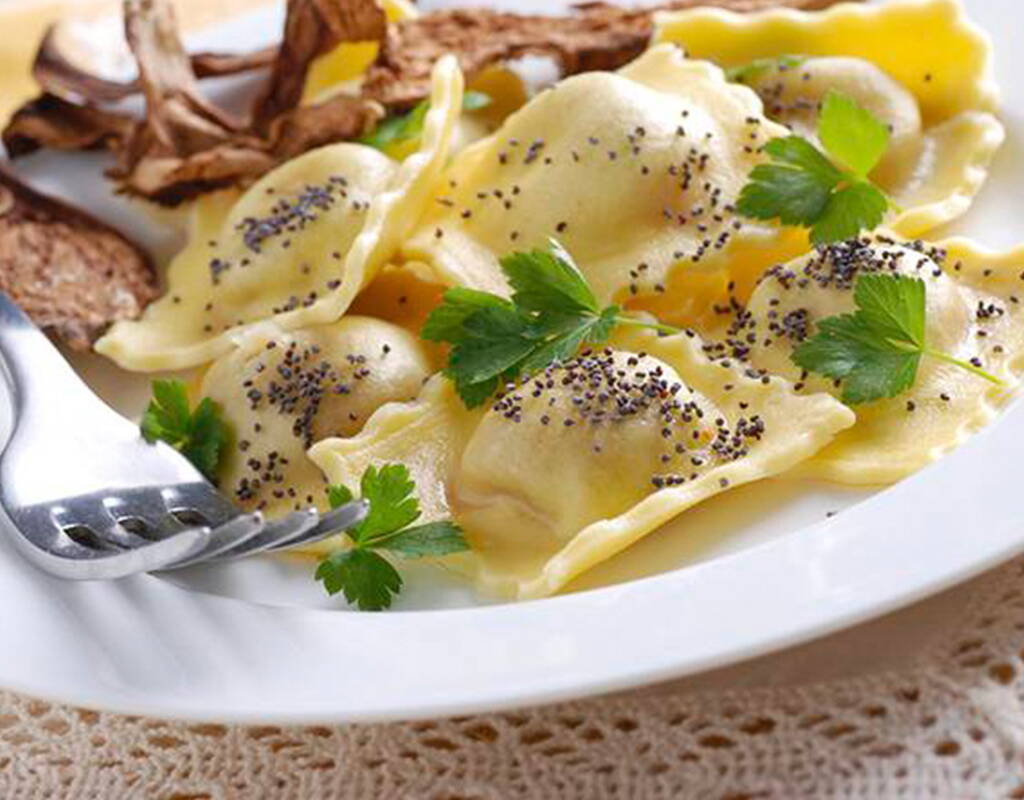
(376, 541)
(667, 330)
(967, 365)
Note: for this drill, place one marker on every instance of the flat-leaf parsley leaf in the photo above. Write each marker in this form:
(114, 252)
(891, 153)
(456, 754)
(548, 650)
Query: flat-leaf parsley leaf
(367, 578)
(400, 129)
(754, 70)
(876, 350)
(833, 198)
(199, 435)
(851, 134)
(552, 314)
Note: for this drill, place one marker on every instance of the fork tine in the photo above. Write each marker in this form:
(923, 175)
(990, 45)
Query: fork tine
(165, 512)
(105, 531)
(275, 534)
(105, 522)
(291, 539)
(231, 534)
(201, 499)
(64, 547)
(331, 523)
(314, 534)
(121, 537)
(343, 517)
(138, 514)
(278, 537)
(68, 559)
(114, 537)
(154, 556)
(87, 526)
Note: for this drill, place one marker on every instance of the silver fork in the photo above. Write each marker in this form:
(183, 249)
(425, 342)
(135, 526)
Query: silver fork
(91, 499)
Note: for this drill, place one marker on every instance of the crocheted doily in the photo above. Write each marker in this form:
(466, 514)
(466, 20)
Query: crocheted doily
(950, 725)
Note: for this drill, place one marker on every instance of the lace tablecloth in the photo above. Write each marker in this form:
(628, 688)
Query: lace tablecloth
(926, 702)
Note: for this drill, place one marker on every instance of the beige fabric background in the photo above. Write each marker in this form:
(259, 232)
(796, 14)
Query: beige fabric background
(926, 702)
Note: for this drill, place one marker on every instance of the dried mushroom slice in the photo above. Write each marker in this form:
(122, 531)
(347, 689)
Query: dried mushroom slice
(50, 121)
(337, 118)
(71, 274)
(62, 67)
(185, 144)
(313, 28)
(596, 36)
(70, 64)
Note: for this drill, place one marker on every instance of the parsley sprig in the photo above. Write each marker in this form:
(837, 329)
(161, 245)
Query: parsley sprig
(754, 70)
(803, 187)
(876, 350)
(399, 129)
(552, 313)
(367, 578)
(200, 435)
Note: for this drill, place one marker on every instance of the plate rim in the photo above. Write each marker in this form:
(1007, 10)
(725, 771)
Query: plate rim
(825, 593)
(838, 604)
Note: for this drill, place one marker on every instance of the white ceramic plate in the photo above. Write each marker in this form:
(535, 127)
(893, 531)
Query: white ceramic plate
(756, 569)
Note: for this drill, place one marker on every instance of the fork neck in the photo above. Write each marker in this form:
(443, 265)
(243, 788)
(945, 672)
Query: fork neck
(37, 374)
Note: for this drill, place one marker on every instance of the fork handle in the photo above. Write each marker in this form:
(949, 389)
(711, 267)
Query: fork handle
(37, 374)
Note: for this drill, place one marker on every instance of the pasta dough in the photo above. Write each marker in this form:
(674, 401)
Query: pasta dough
(295, 248)
(920, 65)
(973, 313)
(281, 392)
(568, 468)
(634, 172)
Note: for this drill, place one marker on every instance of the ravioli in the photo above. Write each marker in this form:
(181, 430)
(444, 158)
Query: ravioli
(919, 65)
(568, 468)
(294, 249)
(404, 295)
(635, 172)
(281, 392)
(973, 313)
